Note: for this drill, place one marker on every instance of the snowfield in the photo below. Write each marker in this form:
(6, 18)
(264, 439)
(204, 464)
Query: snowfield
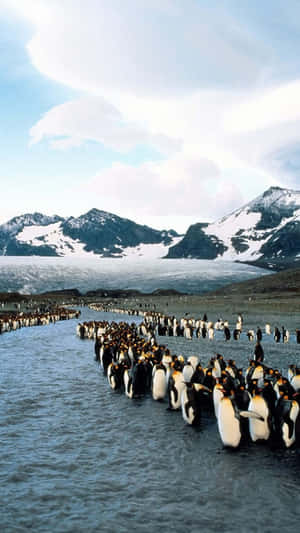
(53, 236)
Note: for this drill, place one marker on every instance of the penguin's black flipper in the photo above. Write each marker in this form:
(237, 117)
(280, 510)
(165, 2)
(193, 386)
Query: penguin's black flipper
(286, 417)
(175, 392)
(186, 408)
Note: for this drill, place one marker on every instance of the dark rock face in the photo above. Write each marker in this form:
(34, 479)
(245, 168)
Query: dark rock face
(15, 248)
(239, 244)
(196, 244)
(284, 242)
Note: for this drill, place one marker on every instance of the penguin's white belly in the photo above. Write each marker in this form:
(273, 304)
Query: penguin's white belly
(217, 397)
(295, 382)
(259, 430)
(228, 424)
(180, 386)
(127, 386)
(187, 373)
(159, 385)
(188, 415)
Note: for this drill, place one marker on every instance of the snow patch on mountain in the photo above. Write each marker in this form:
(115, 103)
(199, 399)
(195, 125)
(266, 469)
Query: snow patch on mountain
(236, 223)
(53, 236)
(147, 251)
(15, 225)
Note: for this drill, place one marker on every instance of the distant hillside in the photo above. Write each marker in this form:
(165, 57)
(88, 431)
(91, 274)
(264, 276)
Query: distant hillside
(287, 281)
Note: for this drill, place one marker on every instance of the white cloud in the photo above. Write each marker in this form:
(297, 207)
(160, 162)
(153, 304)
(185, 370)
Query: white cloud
(176, 187)
(207, 82)
(94, 119)
(264, 109)
(133, 45)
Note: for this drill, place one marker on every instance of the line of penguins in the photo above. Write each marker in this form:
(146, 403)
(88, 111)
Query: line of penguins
(14, 321)
(164, 325)
(189, 327)
(260, 404)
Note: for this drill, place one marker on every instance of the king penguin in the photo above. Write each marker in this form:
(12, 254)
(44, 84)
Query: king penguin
(191, 403)
(287, 420)
(259, 429)
(176, 386)
(229, 422)
(159, 383)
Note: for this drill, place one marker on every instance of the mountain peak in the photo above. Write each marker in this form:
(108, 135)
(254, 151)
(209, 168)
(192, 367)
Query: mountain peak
(94, 211)
(276, 198)
(17, 223)
(265, 232)
(272, 189)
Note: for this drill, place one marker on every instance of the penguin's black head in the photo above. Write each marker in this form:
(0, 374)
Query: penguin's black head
(228, 392)
(226, 384)
(177, 365)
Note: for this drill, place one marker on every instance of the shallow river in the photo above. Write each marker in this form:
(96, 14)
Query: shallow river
(76, 456)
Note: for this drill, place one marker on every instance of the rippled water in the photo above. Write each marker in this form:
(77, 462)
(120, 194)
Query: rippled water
(39, 274)
(77, 457)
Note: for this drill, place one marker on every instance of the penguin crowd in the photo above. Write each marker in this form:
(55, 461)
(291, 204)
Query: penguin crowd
(15, 321)
(259, 404)
(165, 325)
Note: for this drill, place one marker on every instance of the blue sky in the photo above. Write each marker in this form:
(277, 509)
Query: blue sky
(163, 111)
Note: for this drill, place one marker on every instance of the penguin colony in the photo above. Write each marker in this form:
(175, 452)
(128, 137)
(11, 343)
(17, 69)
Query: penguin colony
(15, 321)
(189, 327)
(260, 404)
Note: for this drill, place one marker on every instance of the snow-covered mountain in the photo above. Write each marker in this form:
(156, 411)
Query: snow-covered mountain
(265, 232)
(94, 233)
